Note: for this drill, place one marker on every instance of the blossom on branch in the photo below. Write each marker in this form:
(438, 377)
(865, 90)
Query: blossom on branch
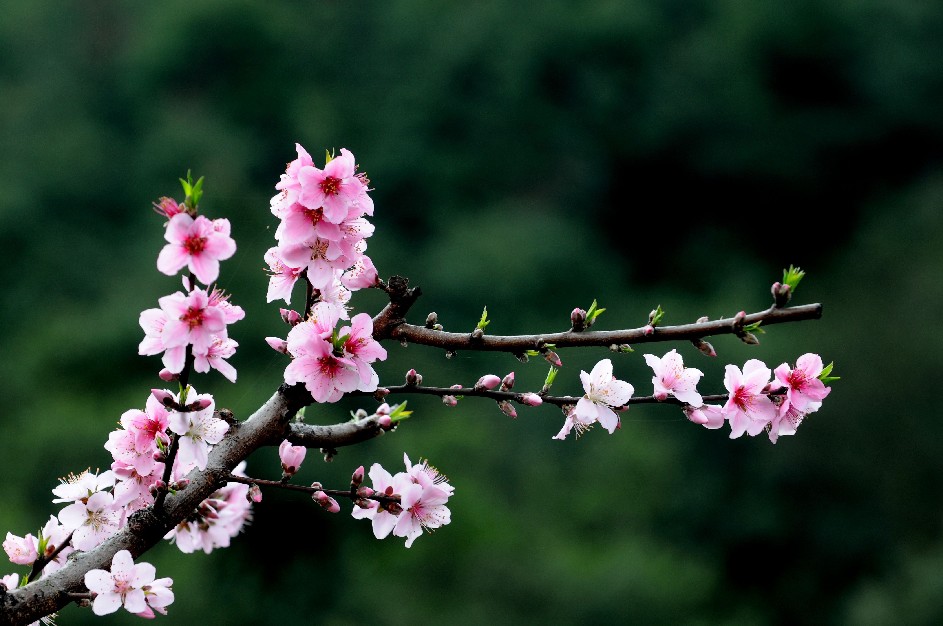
(672, 377)
(804, 390)
(748, 408)
(129, 585)
(603, 393)
(199, 244)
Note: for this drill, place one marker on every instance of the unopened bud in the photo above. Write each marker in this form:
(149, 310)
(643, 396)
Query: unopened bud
(254, 494)
(290, 317)
(179, 485)
(507, 382)
(432, 320)
(648, 329)
(381, 393)
(553, 358)
(507, 409)
(449, 400)
(278, 344)
(749, 339)
(164, 397)
(413, 378)
(739, 318)
(704, 346)
(703, 319)
(166, 375)
(385, 422)
(393, 507)
(327, 503)
(651, 316)
(531, 399)
(488, 381)
(477, 334)
(159, 456)
(356, 479)
(578, 319)
(157, 486)
(781, 294)
(365, 492)
(359, 414)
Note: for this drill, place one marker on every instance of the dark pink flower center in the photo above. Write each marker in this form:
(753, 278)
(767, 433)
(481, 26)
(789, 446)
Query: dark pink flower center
(742, 398)
(193, 317)
(330, 185)
(194, 245)
(797, 379)
(315, 215)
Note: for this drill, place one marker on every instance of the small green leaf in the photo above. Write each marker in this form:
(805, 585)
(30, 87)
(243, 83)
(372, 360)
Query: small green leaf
(825, 376)
(792, 276)
(654, 318)
(754, 328)
(484, 321)
(399, 413)
(328, 157)
(551, 376)
(593, 312)
(531, 353)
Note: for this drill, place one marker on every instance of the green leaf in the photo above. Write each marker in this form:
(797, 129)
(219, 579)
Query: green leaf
(551, 376)
(328, 157)
(531, 353)
(825, 376)
(484, 321)
(593, 312)
(654, 318)
(399, 413)
(792, 276)
(754, 328)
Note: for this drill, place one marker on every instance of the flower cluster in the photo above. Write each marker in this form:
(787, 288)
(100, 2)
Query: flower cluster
(423, 494)
(216, 520)
(323, 230)
(756, 403)
(133, 586)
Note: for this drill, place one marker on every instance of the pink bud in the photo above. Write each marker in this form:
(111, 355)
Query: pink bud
(365, 492)
(413, 378)
(163, 396)
(383, 409)
(327, 503)
(254, 494)
(648, 329)
(531, 399)
(167, 207)
(166, 375)
(290, 317)
(507, 409)
(356, 478)
(180, 485)
(449, 400)
(507, 382)
(553, 358)
(381, 393)
(291, 456)
(578, 319)
(385, 422)
(661, 396)
(203, 403)
(277, 344)
(488, 381)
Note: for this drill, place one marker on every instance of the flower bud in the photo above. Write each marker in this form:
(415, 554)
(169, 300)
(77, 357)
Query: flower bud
(739, 319)
(781, 294)
(164, 397)
(578, 319)
(449, 400)
(356, 479)
(749, 338)
(704, 346)
(413, 378)
(385, 422)
(360, 414)
(648, 329)
(702, 320)
(507, 382)
(168, 376)
(365, 492)
(381, 393)
(278, 344)
(507, 409)
(327, 503)
(393, 507)
(488, 381)
(291, 457)
(290, 317)
(159, 456)
(477, 334)
(254, 494)
(179, 485)
(432, 320)
(553, 358)
(531, 399)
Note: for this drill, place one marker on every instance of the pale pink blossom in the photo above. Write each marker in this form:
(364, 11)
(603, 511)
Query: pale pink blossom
(787, 422)
(383, 516)
(361, 275)
(603, 393)
(282, 277)
(215, 357)
(423, 508)
(804, 390)
(334, 297)
(93, 520)
(21, 550)
(217, 519)
(158, 595)
(199, 244)
(671, 377)
(190, 319)
(488, 381)
(123, 585)
(10, 581)
(82, 486)
(748, 407)
(300, 224)
(291, 457)
(198, 431)
(55, 534)
(531, 399)
(320, 258)
(362, 349)
(707, 415)
(426, 475)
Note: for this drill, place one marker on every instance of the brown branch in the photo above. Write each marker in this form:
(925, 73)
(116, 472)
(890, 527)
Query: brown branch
(393, 327)
(341, 493)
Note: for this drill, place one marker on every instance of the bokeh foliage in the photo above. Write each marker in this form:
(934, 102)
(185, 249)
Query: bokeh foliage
(529, 157)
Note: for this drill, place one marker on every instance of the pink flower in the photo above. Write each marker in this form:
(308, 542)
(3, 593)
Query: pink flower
(335, 188)
(291, 457)
(198, 431)
(423, 508)
(215, 356)
(748, 408)
(82, 486)
(299, 224)
(383, 516)
(320, 257)
(672, 377)
(488, 381)
(282, 277)
(55, 534)
(603, 393)
(217, 519)
(199, 244)
(21, 550)
(326, 376)
(804, 390)
(168, 207)
(361, 275)
(531, 399)
(158, 595)
(11, 582)
(363, 349)
(93, 520)
(124, 585)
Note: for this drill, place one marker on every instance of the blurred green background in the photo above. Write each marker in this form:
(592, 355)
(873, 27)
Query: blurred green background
(529, 157)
